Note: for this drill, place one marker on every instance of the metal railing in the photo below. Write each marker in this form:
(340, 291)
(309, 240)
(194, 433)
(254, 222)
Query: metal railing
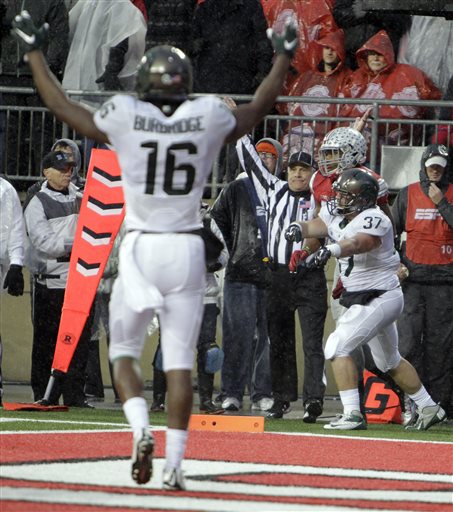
(27, 132)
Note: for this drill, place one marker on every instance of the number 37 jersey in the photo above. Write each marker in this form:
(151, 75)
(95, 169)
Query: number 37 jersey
(375, 269)
(165, 161)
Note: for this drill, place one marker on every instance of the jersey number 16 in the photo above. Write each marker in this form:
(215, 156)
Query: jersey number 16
(170, 168)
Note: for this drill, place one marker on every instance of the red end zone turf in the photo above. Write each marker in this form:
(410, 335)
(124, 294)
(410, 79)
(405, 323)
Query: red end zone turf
(319, 451)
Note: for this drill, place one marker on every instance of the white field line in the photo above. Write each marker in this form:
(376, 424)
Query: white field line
(157, 428)
(111, 472)
(161, 502)
(201, 476)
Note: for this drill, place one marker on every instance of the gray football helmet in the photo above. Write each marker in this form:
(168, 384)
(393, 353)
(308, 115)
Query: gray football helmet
(355, 191)
(342, 148)
(164, 73)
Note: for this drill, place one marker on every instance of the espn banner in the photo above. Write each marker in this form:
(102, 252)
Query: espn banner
(100, 218)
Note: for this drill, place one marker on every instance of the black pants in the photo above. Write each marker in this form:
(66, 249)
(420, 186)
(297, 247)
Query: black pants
(48, 304)
(425, 330)
(306, 293)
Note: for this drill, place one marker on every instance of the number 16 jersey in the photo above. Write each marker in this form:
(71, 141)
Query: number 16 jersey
(375, 269)
(165, 161)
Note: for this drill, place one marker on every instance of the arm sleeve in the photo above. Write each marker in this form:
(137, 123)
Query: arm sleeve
(446, 210)
(220, 213)
(16, 242)
(223, 258)
(263, 181)
(42, 236)
(110, 118)
(399, 209)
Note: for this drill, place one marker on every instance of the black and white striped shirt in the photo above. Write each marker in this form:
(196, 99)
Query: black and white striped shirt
(282, 206)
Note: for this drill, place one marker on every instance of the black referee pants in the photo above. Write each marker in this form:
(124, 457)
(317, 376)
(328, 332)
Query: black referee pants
(47, 308)
(306, 293)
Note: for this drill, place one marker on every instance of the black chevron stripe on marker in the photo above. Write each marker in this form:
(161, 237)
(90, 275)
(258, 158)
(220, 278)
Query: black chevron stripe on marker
(106, 177)
(88, 266)
(104, 206)
(94, 238)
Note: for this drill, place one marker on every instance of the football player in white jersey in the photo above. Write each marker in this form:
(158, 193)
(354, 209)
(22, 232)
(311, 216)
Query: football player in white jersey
(166, 146)
(362, 238)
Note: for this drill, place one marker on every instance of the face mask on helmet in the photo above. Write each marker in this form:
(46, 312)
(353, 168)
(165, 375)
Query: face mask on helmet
(341, 149)
(164, 73)
(355, 191)
(329, 160)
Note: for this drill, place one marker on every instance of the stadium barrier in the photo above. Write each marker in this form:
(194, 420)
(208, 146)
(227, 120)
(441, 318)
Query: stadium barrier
(26, 134)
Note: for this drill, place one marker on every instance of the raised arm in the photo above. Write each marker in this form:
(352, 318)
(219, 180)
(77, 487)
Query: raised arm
(297, 230)
(73, 114)
(250, 114)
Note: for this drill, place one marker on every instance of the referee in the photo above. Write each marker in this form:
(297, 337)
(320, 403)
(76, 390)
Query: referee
(292, 286)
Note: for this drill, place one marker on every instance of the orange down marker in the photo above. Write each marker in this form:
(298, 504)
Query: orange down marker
(226, 423)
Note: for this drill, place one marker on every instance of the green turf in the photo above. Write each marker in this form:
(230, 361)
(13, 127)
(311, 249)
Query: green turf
(97, 419)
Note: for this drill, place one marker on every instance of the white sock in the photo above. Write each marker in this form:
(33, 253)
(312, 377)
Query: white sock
(350, 400)
(422, 398)
(136, 412)
(175, 447)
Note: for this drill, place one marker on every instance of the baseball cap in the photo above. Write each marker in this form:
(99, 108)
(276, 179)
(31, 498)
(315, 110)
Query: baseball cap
(435, 154)
(436, 160)
(301, 158)
(58, 160)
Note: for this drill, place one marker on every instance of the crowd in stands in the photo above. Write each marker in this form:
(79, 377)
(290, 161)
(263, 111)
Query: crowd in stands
(344, 52)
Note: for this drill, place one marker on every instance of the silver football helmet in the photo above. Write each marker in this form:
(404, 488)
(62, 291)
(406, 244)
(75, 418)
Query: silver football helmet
(342, 148)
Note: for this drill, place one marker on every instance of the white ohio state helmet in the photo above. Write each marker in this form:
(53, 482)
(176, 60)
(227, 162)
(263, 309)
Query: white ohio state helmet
(346, 148)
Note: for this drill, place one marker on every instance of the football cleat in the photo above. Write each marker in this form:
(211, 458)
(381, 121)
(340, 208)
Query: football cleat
(409, 415)
(427, 417)
(173, 480)
(142, 458)
(351, 421)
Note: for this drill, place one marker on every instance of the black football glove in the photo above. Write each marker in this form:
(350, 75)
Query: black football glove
(111, 82)
(293, 233)
(319, 258)
(14, 280)
(29, 36)
(287, 41)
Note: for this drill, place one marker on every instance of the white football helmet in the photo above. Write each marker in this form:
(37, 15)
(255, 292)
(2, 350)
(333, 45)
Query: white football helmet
(341, 149)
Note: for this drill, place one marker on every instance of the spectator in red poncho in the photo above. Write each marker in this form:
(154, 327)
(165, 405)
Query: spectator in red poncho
(444, 132)
(314, 19)
(379, 76)
(326, 76)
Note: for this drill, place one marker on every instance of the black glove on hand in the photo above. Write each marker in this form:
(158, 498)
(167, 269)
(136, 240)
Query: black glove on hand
(111, 82)
(14, 280)
(109, 78)
(29, 36)
(287, 41)
(293, 233)
(319, 258)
